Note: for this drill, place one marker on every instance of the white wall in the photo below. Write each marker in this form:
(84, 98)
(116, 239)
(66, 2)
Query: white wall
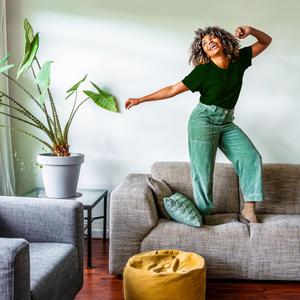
(133, 48)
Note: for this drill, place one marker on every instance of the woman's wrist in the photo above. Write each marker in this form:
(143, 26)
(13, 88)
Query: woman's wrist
(161, 94)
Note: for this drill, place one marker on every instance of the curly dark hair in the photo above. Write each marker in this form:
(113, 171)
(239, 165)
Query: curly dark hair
(229, 42)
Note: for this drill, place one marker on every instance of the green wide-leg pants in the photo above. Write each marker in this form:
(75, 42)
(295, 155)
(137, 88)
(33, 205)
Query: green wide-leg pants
(211, 127)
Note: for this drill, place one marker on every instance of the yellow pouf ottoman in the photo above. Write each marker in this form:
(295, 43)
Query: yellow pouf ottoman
(165, 275)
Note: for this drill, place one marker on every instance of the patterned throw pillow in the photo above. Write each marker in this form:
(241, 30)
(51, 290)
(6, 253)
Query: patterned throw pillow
(183, 210)
(160, 190)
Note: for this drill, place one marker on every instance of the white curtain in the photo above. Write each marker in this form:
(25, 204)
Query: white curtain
(7, 175)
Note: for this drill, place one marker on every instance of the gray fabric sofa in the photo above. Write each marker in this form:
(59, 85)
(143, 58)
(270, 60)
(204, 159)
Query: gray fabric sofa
(41, 248)
(268, 250)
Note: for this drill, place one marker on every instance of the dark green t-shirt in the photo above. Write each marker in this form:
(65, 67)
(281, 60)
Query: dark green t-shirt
(218, 86)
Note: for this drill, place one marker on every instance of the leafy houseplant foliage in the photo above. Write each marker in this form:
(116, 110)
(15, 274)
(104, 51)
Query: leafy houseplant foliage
(50, 124)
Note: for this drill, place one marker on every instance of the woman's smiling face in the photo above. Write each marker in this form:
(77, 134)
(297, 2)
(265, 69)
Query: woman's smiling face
(211, 45)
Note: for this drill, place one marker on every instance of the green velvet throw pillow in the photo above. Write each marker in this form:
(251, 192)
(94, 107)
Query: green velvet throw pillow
(183, 210)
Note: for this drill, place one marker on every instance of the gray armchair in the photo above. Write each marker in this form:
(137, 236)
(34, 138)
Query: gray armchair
(41, 248)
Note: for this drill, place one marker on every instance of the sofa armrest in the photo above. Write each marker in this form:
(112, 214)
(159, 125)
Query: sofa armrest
(43, 220)
(133, 214)
(14, 269)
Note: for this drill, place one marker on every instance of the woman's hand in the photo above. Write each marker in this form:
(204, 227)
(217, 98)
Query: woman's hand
(242, 32)
(263, 39)
(131, 102)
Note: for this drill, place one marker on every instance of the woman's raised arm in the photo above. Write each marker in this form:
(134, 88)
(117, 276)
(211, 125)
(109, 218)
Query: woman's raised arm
(263, 40)
(164, 93)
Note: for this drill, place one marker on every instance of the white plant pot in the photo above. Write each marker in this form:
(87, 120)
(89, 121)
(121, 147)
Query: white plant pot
(60, 174)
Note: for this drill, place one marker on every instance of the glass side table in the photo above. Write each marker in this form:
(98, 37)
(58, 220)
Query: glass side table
(89, 198)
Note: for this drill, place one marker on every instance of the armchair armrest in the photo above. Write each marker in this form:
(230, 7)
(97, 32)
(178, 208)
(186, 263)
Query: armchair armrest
(14, 269)
(43, 220)
(133, 214)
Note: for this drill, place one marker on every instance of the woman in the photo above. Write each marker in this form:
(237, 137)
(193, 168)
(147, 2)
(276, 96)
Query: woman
(219, 67)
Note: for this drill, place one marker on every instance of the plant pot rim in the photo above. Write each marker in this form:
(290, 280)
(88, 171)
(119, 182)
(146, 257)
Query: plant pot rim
(51, 159)
(52, 155)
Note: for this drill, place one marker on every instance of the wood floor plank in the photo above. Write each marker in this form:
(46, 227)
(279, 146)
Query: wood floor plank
(99, 284)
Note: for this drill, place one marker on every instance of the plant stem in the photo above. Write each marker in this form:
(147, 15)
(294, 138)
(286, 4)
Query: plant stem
(30, 134)
(34, 99)
(49, 120)
(20, 119)
(78, 107)
(74, 104)
(44, 105)
(50, 134)
(27, 113)
(57, 127)
(27, 92)
(54, 123)
(67, 124)
(71, 118)
(55, 115)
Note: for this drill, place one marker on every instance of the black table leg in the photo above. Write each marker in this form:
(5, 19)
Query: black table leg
(89, 239)
(105, 217)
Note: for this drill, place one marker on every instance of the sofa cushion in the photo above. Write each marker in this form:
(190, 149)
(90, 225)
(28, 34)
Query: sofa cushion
(183, 210)
(53, 266)
(275, 247)
(160, 190)
(221, 236)
(281, 184)
(225, 188)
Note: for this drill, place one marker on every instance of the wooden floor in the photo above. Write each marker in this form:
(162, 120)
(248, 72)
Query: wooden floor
(99, 284)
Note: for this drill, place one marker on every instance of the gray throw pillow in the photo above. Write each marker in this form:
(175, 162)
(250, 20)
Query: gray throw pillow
(183, 210)
(160, 190)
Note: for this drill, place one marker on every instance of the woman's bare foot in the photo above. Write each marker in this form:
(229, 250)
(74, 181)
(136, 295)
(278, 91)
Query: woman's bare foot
(248, 212)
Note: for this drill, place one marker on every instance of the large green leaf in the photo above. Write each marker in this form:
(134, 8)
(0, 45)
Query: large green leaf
(43, 80)
(31, 49)
(102, 98)
(28, 40)
(74, 88)
(28, 31)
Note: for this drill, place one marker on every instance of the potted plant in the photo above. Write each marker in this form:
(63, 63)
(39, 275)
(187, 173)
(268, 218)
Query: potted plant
(60, 167)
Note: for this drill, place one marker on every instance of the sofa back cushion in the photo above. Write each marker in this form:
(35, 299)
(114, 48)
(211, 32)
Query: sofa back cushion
(281, 184)
(178, 176)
